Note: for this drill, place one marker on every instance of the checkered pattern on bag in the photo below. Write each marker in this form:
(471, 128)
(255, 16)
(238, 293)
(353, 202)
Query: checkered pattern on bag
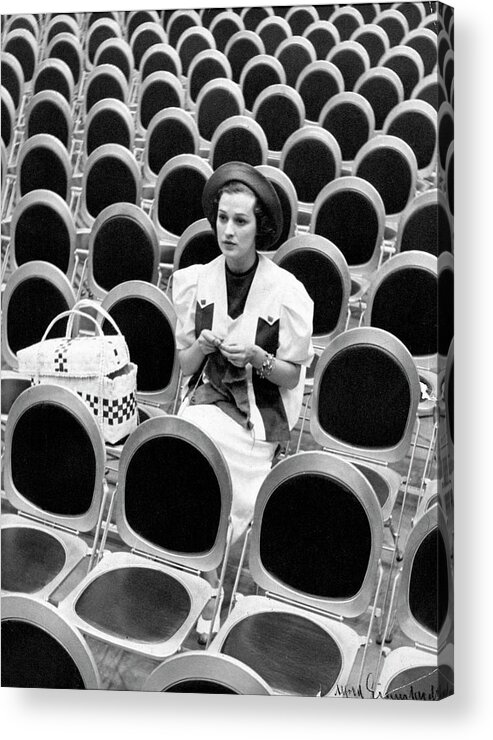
(60, 358)
(114, 412)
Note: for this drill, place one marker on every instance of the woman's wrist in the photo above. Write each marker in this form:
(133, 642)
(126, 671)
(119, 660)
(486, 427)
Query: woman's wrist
(257, 357)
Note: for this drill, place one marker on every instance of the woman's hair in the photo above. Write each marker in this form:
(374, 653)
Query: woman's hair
(265, 225)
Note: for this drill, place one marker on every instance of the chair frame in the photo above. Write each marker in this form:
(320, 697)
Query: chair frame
(202, 226)
(64, 529)
(34, 269)
(287, 92)
(100, 23)
(244, 11)
(75, 43)
(429, 20)
(377, 31)
(153, 18)
(178, 13)
(30, 17)
(310, 9)
(430, 197)
(227, 15)
(240, 36)
(205, 666)
(303, 43)
(47, 617)
(444, 110)
(353, 46)
(430, 79)
(117, 43)
(424, 33)
(219, 57)
(274, 20)
(320, 66)
(351, 11)
(274, 174)
(163, 77)
(15, 65)
(64, 110)
(397, 16)
(110, 104)
(223, 83)
(268, 60)
(449, 168)
(153, 295)
(9, 104)
(410, 53)
(419, 7)
(184, 568)
(240, 122)
(198, 31)
(56, 147)
(65, 71)
(416, 106)
(28, 37)
(358, 101)
(110, 71)
(62, 18)
(382, 72)
(177, 114)
(163, 48)
(142, 28)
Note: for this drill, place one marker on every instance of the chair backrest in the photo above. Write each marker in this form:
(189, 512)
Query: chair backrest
(374, 39)
(111, 175)
(389, 164)
(272, 31)
(448, 72)
(403, 299)
(218, 100)
(252, 17)
(66, 46)
(54, 74)
(43, 163)
(365, 396)
(206, 66)
(57, 432)
(352, 59)
(178, 194)
(24, 20)
(241, 47)
(207, 15)
(93, 17)
(43, 228)
(9, 118)
(394, 24)
(24, 47)
(300, 17)
(61, 23)
(431, 21)
(323, 36)
(34, 294)
(136, 18)
(295, 54)
(288, 199)
(430, 89)
(311, 158)
(414, 13)
(199, 672)
(144, 37)
(12, 77)
(350, 213)
(415, 122)
(123, 246)
(349, 117)
(196, 246)
(445, 132)
(425, 225)
(178, 22)
(424, 42)
(258, 73)
(280, 111)
(320, 505)
(449, 177)
(347, 20)
(383, 89)
(171, 132)
(445, 303)
(407, 63)
(159, 91)
(109, 122)
(168, 509)
(41, 649)
(322, 269)
(160, 58)
(105, 81)
(224, 26)
(100, 31)
(116, 51)
(241, 139)
(316, 77)
(424, 604)
(49, 113)
(193, 41)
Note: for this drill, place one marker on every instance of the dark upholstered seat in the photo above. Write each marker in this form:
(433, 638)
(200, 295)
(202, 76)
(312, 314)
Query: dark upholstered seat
(383, 89)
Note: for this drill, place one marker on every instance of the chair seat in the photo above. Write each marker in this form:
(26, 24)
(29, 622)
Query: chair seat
(385, 483)
(409, 673)
(35, 559)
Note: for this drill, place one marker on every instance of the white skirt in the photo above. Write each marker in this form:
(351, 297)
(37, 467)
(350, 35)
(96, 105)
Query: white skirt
(249, 460)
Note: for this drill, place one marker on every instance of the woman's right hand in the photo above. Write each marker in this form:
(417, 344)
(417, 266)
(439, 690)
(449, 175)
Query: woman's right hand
(208, 341)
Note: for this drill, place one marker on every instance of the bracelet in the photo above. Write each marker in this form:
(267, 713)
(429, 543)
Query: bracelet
(267, 366)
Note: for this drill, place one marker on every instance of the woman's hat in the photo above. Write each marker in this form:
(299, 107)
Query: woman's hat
(263, 189)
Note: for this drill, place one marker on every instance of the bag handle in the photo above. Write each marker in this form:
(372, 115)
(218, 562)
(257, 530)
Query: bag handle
(95, 306)
(71, 313)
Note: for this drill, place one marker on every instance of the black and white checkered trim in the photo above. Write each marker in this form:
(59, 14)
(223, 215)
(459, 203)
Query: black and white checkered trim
(114, 412)
(60, 358)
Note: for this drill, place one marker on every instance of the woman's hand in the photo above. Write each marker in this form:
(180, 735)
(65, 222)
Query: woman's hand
(238, 354)
(208, 342)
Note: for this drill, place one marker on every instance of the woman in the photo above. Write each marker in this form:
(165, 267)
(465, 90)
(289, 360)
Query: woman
(243, 334)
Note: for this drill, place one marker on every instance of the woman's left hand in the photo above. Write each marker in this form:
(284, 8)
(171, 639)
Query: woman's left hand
(237, 354)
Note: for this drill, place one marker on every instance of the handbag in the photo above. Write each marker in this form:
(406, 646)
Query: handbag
(97, 368)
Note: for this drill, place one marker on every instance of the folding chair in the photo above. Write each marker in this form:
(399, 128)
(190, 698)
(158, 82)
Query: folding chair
(394, 24)
(34, 294)
(424, 42)
(123, 246)
(196, 246)
(116, 51)
(144, 37)
(54, 478)
(224, 26)
(241, 47)
(159, 91)
(55, 74)
(176, 519)
(315, 548)
(347, 20)
(100, 31)
(288, 199)
(41, 649)
(349, 117)
(425, 225)
(104, 81)
(200, 672)
(258, 73)
(171, 132)
(252, 17)
(160, 58)
(66, 46)
(43, 163)
(193, 41)
(272, 31)
(178, 22)
(415, 122)
(295, 54)
(352, 59)
(375, 41)
(109, 122)
(23, 46)
(218, 100)
(49, 113)
(13, 78)
(300, 17)
(423, 592)
(280, 111)
(407, 63)
(239, 138)
(383, 89)
(317, 76)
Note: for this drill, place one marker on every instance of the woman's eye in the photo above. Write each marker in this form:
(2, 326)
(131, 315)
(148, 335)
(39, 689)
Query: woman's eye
(222, 217)
(240, 221)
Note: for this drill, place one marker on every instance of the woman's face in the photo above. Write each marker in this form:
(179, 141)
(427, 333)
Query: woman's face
(236, 230)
